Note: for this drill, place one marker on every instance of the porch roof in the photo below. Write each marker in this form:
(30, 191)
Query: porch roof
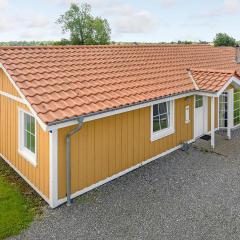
(211, 80)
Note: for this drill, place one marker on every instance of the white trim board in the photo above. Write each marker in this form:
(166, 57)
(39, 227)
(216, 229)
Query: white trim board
(231, 80)
(109, 179)
(17, 99)
(53, 173)
(31, 184)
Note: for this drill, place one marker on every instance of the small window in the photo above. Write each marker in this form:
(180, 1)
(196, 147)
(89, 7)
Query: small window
(27, 136)
(162, 120)
(161, 116)
(198, 101)
(187, 114)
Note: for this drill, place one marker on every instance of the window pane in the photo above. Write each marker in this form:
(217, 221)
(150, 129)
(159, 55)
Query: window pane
(28, 136)
(162, 108)
(163, 116)
(25, 139)
(155, 110)
(156, 126)
(26, 122)
(32, 125)
(198, 101)
(29, 132)
(32, 148)
(164, 123)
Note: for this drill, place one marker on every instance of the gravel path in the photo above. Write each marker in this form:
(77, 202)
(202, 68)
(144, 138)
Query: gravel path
(185, 195)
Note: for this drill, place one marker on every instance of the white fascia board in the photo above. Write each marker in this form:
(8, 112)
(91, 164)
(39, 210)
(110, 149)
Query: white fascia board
(207, 94)
(128, 109)
(231, 80)
(118, 111)
(41, 123)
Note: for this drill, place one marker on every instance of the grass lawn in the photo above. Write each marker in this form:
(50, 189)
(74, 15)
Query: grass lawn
(19, 204)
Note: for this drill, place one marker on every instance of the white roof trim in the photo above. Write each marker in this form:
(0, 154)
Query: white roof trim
(41, 123)
(231, 80)
(17, 99)
(127, 109)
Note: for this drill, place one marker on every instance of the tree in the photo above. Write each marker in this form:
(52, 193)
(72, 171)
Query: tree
(84, 28)
(222, 39)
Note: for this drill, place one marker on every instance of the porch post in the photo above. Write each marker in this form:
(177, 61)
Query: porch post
(230, 112)
(213, 122)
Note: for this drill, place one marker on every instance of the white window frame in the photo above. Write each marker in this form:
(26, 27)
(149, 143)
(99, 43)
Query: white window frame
(22, 150)
(220, 119)
(167, 131)
(187, 114)
(236, 93)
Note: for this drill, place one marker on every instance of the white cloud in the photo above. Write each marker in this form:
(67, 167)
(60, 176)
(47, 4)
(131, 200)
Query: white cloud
(123, 17)
(3, 4)
(135, 22)
(232, 6)
(167, 3)
(229, 7)
(37, 21)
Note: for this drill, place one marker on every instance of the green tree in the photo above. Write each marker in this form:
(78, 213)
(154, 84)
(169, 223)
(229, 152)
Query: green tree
(222, 39)
(84, 28)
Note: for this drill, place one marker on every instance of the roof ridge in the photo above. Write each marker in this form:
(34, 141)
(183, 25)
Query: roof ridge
(104, 46)
(192, 79)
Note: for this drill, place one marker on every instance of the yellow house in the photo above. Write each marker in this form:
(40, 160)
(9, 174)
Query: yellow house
(75, 117)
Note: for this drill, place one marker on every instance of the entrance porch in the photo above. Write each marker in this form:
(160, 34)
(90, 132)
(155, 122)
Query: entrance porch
(217, 103)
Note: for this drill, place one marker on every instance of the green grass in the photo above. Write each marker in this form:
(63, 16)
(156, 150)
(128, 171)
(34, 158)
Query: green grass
(19, 204)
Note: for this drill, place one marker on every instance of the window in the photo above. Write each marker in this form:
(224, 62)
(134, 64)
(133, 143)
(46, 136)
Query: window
(27, 136)
(223, 110)
(236, 107)
(162, 120)
(198, 101)
(187, 114)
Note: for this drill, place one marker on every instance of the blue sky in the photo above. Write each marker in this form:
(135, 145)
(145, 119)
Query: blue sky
(132, 20)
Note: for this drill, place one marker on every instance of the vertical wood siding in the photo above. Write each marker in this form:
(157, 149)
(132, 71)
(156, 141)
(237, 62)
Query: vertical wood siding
(39, 175)
(6, 85)
(110, 145)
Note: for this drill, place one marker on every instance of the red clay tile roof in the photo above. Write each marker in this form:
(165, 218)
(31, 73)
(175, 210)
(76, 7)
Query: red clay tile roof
(63, 82)
(211, 80)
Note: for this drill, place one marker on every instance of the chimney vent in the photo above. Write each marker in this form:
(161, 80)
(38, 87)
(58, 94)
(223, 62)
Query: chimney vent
(238, 54)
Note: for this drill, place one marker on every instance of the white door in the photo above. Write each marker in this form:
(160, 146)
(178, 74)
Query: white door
(200, 126)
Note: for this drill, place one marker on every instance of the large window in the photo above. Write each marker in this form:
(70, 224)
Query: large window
(162, 120)
(223, 110)
(236, 107)
(27, 136)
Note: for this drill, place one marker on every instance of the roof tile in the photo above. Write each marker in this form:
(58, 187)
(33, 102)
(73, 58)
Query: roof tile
(61, 82)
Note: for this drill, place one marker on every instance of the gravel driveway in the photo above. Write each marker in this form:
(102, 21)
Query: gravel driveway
(185, 195)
